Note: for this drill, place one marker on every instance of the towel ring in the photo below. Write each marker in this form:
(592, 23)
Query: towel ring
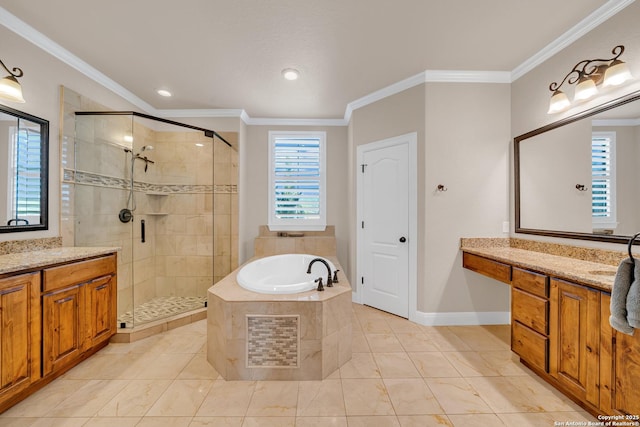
(631, 244)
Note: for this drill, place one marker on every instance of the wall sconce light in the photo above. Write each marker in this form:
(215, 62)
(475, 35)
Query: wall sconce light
(10, 89)
(587, 75)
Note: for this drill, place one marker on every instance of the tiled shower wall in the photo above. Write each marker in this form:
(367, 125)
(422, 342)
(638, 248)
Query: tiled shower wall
(187, 198)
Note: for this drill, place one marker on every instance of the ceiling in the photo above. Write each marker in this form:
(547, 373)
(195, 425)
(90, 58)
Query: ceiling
(217, 54)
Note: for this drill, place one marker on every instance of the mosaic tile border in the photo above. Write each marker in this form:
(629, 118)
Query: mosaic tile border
(273, 341)
(88, 178)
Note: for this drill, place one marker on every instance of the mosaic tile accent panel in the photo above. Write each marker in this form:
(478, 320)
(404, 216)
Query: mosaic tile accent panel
(88, 178)
(272, 341)
(159, 308)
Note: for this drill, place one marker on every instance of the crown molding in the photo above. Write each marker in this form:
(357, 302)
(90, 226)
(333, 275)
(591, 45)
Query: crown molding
(428, 76)
(462, 76)
(436, 76)
(596, 18)
(35, 37)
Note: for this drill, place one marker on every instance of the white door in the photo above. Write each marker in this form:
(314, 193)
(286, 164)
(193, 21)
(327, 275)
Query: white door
(384, 228)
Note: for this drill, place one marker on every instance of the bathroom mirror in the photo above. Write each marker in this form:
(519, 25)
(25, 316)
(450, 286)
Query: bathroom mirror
(24, 162)
(579, 177)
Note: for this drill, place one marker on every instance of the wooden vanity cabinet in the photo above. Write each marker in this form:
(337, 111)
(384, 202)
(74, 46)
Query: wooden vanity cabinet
(530, 317)
(79, 310)
(50, 320)
(574, 352)
(19, 333)
(488, 267)
(619, 367)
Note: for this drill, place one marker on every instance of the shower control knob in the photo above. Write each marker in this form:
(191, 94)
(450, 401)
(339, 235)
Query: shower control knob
(403, 239)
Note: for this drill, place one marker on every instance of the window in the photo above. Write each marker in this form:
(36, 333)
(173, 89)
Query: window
(297, 194)
(24, 174)
(603, 197)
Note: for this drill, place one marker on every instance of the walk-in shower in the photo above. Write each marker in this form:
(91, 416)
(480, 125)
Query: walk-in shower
(166, 194)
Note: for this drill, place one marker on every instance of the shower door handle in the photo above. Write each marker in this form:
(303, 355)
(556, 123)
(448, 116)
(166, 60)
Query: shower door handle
(142, 231)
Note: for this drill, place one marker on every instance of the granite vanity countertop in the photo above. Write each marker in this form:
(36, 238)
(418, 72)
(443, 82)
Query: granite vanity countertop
(11, 263)
(592, 274)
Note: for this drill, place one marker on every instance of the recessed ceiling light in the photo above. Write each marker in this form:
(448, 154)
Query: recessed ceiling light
(290, 74)
(164, 92)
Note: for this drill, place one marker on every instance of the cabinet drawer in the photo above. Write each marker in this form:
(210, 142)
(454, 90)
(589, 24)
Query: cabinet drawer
(494, 269)
(77, 272)
(530, 310)
(531, 346)
(535, 283)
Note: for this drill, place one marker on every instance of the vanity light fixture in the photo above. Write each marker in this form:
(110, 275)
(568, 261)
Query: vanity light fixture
(587, 75)
(290, 74)
(10, 88)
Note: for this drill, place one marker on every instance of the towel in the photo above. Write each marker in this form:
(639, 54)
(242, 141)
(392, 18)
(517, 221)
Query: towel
(621, 286)
(633, 299)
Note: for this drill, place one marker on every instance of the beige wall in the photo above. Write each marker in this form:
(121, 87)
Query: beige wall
(392, 116)
(43, 76)
(254, 183)
(530, 95)
(467, 150)
(463, 143)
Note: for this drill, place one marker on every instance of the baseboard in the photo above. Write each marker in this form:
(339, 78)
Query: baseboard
(462, 318)
(455, 318)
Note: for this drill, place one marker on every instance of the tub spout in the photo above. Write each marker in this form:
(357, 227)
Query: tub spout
(326, 264)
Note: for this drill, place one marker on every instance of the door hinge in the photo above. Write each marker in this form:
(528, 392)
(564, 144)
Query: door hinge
(364, 165)
(362, 280)
(362, 226)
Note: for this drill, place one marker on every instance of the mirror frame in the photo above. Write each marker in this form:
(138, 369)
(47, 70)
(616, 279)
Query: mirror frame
(44, 172)
(611, 238)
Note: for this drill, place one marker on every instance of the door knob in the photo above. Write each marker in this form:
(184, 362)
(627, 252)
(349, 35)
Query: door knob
(403, 239)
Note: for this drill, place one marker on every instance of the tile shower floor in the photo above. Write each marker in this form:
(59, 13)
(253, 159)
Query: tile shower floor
(160, 308)
(402, 374)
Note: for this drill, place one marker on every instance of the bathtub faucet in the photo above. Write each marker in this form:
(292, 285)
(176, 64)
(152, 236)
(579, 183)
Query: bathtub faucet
(326, 264)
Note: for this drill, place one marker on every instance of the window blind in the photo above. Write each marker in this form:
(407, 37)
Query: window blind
(601, 182)
(297, 178)
(26, 184)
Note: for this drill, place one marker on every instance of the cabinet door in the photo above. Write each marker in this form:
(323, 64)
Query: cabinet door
(63, 322)
(575, 339)
(19, 333)
(101, 311)
(619, 368)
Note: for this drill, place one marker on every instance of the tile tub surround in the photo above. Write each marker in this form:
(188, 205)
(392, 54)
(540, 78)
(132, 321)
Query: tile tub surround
(584, 272)
(322, 243)
(324, 330)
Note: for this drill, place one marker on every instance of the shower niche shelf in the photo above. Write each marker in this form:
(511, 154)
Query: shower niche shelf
(156, 193)
(157, 213)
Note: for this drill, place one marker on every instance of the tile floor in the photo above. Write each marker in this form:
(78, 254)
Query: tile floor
(401, 374)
